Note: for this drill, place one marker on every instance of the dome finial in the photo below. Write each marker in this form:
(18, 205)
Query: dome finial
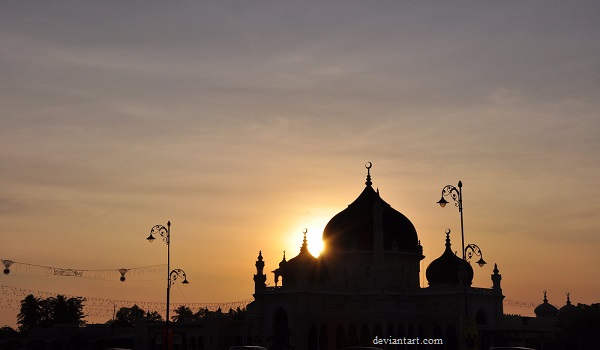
(545, 299)
(448, 238)
(568, 298)
(368, 165)
(304, 246)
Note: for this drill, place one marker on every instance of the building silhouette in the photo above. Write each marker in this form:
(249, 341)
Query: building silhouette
(365, 286)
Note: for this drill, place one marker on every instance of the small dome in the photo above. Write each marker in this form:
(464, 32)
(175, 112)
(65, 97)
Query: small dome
(446, 268)
(546, 309)
(302, 269)
(354, 227)
(568, 309)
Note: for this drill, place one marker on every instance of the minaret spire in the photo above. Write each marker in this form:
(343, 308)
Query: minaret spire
(260, 278)
(304, 247)
(497, 277)
(368, 165)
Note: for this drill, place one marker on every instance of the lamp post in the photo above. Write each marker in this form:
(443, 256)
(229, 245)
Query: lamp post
(172, 276)
(467, 253)
(473, 249)
(456, 195)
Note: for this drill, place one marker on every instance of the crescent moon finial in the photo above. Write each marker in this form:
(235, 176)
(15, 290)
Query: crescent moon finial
(305, 231)
(368, 165)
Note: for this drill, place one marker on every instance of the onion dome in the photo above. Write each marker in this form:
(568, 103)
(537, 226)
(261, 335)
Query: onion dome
(354, 227)
(568, 309)
(546, 309)
(449, 268)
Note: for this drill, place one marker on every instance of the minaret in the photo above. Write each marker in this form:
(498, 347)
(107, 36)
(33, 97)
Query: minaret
(496, 278)
(260, 278)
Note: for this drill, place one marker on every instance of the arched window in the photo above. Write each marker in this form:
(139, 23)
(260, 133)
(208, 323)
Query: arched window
(377, 331)
(352, 336)
(313, 338)
(437, 332)
(340, 337)
(480, 318)
(451, 338)
(411, 331)
(281, 329)
(324, 338)
(390, 330)
(401, 331)
(365, 335)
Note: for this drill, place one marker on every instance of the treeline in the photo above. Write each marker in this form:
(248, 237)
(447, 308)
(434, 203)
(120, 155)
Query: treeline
(127, 316)
(38, 313)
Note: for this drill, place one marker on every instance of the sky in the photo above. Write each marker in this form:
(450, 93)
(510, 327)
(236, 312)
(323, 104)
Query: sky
(244, 122)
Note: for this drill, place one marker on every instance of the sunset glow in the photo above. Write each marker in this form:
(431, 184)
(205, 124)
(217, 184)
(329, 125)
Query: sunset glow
(245, 124)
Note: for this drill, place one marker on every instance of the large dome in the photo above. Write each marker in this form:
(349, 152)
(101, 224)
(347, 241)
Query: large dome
(354, 227)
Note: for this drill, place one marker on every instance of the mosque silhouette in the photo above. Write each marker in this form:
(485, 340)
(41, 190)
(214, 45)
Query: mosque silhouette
(365, 286)
(363, 290)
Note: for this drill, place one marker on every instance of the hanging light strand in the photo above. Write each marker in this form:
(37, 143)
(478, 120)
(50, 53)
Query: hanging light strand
(10, 298)
(20, 268)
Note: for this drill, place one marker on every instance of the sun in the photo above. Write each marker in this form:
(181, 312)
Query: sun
(314, 227)
(314, 239)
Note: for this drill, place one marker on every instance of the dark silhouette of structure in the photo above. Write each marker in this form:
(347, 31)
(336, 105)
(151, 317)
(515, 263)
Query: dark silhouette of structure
(366, 285)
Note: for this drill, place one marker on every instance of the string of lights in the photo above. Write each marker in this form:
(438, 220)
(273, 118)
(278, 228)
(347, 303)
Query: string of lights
(10, 299)
(519, 303)
(20, 268)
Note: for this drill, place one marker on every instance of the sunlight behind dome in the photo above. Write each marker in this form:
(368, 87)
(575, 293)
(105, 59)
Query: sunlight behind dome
(314, 235)
(314, 238)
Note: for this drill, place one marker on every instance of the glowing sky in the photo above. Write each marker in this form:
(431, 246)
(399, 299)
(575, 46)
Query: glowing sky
(243, 122)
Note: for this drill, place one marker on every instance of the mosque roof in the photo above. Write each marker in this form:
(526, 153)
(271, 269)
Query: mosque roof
(546, 309)
(353, 228)
(568, 308)
(446, 268)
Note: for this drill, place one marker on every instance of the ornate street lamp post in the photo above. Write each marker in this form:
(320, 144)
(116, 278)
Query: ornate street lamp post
(473, 249)
(467, 252)
(172, 276)
(456, 195)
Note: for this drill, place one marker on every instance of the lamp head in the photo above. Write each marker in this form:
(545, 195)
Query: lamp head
(481, 262)
(442, 202)
(185, 281)
(151, 238)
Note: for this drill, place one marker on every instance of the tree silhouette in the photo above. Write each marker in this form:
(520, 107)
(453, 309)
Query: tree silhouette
(237, 314)
(6, 331)
(36, 312)
(201, 313)
(127, 316)
(182, 313)
(153, 316)
(66, 311)
(31, 313)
